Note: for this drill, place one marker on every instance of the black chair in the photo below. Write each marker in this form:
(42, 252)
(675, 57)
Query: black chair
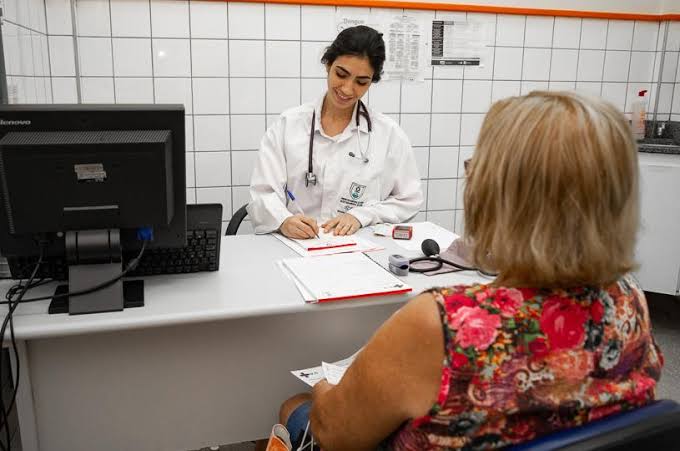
(236, 220)
(655, 427)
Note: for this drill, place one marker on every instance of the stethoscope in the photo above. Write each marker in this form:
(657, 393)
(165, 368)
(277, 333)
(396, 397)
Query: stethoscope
(311, 177)
(431, 250)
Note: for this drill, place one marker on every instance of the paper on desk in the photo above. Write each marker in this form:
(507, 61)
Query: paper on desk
(342, 276)
(362, 245)
(332, 372)
(306, 295)
(325, 240)
(425, 230)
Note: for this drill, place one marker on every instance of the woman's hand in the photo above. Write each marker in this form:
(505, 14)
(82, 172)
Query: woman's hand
(344, 224)
(300, 227)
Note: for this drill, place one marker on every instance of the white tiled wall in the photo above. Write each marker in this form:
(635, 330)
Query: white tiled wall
(235, 66)
(27, 63)
(669, 100)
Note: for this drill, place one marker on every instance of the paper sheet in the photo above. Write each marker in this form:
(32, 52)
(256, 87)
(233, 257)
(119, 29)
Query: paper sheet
(326, 240)
(424, 230)
(332, 372)
(406, 45)
(362, 245)
(459, 43)
(343, 276)
(309, 376)
(306, 295)
(406, 36)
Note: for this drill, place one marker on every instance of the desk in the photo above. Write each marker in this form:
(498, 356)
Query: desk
(206, 361)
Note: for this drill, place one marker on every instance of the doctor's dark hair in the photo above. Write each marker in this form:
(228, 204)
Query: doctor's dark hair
(358, 41)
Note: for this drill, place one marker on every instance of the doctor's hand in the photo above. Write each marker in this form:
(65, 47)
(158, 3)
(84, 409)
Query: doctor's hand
(344, 224)
(300, 227)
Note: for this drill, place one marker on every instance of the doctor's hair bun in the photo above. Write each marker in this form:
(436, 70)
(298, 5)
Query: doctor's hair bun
(358, 41)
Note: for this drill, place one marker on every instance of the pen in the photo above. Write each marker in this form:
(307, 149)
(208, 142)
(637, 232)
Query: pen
(297, 206)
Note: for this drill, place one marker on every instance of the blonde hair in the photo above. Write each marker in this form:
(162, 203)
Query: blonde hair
(551, 198)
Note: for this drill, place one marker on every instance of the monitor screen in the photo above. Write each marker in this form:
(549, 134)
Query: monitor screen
(80, 167)
(87, 183)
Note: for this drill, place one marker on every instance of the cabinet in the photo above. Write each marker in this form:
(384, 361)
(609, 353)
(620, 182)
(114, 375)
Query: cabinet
(658, 246)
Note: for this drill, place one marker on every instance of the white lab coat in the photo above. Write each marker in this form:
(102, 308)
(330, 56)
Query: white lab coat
(386, 189)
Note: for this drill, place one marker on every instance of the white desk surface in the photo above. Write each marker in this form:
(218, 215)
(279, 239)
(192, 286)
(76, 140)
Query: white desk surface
(249, 283)
(209, 354)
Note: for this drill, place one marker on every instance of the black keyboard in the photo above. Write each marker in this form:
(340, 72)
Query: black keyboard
(202, 252)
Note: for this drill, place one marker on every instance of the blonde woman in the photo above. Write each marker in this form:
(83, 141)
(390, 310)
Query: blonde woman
(560, 338)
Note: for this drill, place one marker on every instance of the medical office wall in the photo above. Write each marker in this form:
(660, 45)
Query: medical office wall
(235, 66)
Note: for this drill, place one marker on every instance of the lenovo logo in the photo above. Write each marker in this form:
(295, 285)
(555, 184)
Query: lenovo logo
(6, 122)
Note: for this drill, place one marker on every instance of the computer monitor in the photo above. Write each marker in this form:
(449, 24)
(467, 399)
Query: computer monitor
(84, 182)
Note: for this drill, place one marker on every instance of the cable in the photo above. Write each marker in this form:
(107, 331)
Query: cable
(12, 305)
(431, 250)
(439, 263)
(130, 267)
(16, 287)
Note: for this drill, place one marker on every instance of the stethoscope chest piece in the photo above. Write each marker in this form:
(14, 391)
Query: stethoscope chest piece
(310, 178)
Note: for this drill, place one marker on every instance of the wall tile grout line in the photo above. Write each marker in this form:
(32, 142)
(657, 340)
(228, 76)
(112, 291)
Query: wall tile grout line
(429, 136)
(231, 161)
(521, 67)
(49, 56)
(300, 15)
(552, 52)
(113, 66)
(604, 63)
(193, 103)
(76, 50)
(656, 55)
(35, 92)
(264, 31)
(153, 70)
(674, 91)
(630, 61)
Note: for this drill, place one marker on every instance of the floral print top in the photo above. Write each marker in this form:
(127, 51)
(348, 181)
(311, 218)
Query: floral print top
(523, 362)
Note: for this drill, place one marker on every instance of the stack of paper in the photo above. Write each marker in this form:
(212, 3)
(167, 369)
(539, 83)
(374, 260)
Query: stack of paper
(342, 276)
(327, 244)
(326, 240)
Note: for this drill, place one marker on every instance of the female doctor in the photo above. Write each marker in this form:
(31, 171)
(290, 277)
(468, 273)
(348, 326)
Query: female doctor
(336, 160)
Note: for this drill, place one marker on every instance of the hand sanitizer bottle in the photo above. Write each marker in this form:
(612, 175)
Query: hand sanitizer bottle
(639, 115)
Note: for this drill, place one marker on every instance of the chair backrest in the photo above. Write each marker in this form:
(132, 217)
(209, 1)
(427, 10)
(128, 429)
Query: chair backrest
(236, 220)
(652, 427)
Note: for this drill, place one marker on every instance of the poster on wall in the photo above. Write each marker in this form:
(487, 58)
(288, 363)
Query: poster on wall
(459, 43)
(406, 42)
(406, 48)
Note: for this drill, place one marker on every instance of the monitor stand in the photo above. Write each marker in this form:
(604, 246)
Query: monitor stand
(94, 257)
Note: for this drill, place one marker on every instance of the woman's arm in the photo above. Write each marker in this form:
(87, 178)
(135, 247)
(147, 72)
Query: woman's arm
(394, 378)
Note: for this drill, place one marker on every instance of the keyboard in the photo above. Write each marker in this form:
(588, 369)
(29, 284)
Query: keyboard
(202, 252)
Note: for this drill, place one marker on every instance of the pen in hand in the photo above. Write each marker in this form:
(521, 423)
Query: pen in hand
(297, 207)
